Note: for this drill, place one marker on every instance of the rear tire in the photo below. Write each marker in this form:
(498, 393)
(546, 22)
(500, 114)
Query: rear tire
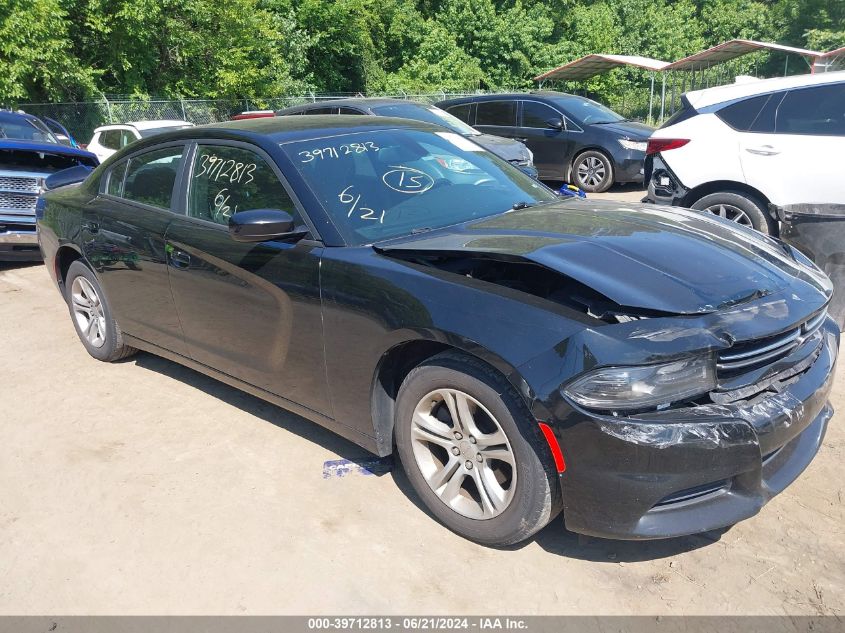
(499, 445)
(92, 316)
(592, 172)
(739, 207)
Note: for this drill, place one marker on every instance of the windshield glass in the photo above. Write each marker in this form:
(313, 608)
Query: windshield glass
(429, 114)
(388, 183)
(26, 129)
(160, 130)
(588, 111)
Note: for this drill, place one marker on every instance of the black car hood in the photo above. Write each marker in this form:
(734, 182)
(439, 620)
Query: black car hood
(507, 148)
(630, 129)
(639, 256)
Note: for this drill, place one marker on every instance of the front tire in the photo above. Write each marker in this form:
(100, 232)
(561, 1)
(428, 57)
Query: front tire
(92, 316)
(741, 208)
(473, 453)
(592, 172)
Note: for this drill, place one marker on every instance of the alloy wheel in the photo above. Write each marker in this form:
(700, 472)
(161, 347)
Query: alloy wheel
(730, 212)
(463, 454)
(591, 171)
(88, 311)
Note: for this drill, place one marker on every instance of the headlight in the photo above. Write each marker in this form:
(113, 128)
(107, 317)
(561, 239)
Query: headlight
(619, 388)
(639, 146)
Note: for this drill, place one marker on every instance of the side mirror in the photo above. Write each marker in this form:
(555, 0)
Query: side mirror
(69, 176)
(556, 124)
(261, 225)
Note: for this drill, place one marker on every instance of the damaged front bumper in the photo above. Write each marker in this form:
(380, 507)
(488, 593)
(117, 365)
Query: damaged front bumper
(706, 466)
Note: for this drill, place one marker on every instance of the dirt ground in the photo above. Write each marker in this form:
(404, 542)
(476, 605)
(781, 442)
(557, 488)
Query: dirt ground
(145, 488)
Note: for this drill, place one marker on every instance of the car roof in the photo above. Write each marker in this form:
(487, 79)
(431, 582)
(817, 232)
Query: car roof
(730, 92)
(365, 102)
(551, 95)
(143, 125)
(10, 115)
(275, 130)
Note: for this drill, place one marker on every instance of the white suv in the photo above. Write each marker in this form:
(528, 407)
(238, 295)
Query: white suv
(754, 152)
(110, 138)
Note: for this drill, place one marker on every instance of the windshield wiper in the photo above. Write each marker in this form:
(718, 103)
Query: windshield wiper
(522, 205)
(422, 229)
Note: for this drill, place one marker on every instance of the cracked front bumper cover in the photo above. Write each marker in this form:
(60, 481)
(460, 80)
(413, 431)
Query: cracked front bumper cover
(682, 471)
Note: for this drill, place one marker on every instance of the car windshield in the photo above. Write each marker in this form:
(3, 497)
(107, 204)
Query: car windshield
(588, 111)
(26, 129)
(388, 183)
(429, 114)
(161, 130)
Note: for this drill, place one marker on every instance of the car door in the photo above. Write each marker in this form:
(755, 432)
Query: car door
(796, 156)
(552, 147)
(123, 238)
(249, 310)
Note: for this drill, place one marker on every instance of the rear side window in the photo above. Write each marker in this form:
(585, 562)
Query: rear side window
(150, 177)
(462, 111)
(817, 111)
(116, 176)
(502, 113)
(325, 110)
(110, 139)
(348, 111)
(225, 180)
(742, 114)
(686, 112)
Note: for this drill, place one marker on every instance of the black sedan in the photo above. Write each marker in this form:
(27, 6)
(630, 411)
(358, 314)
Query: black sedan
(649, 372)
(510, 149)
(573, 138)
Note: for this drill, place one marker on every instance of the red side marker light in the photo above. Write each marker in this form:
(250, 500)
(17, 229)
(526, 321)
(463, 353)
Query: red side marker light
(557, 454)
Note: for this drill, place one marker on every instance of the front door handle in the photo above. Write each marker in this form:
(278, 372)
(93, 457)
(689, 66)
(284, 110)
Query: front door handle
(179, 259)
(763, 150)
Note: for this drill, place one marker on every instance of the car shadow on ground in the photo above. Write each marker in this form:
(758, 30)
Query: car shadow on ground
(266, 411)
(554, 538)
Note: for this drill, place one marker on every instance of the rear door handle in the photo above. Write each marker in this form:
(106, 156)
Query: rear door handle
(763, 150)
(179, 259)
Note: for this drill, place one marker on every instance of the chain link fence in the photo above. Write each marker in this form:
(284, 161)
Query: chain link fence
(81, 118)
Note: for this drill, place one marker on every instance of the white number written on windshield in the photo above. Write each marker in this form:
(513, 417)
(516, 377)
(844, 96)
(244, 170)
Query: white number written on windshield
(354, 203)
(338, 151)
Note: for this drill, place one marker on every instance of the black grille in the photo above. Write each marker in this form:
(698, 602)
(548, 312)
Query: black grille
(691, 494)
(758, 352)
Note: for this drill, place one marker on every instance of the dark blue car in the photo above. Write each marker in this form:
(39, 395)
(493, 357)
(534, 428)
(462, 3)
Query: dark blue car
(574, 139)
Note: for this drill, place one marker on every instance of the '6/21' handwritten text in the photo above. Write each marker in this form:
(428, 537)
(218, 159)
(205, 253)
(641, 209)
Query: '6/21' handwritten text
(364, 213)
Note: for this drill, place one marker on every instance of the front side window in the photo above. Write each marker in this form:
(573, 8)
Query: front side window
(348, 111)
(818, 111)
(126, 137)
(536, 114)
(150, 177)
(225, 180)
(323, 110)
(502, 113)
(386, 183)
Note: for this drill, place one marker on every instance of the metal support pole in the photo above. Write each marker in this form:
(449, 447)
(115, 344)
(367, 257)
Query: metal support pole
(651, 97)
(663, 98)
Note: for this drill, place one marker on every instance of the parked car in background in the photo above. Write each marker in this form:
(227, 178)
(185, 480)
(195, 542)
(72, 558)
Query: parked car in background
(574, 139)
(754, 152)
(510, 149)
(29, 153)
(60, 132)
(253, 114)
(649, 374)
(108, 139)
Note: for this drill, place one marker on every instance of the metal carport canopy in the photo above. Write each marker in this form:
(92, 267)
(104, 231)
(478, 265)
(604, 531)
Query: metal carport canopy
(592, 65)
(731, 50)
